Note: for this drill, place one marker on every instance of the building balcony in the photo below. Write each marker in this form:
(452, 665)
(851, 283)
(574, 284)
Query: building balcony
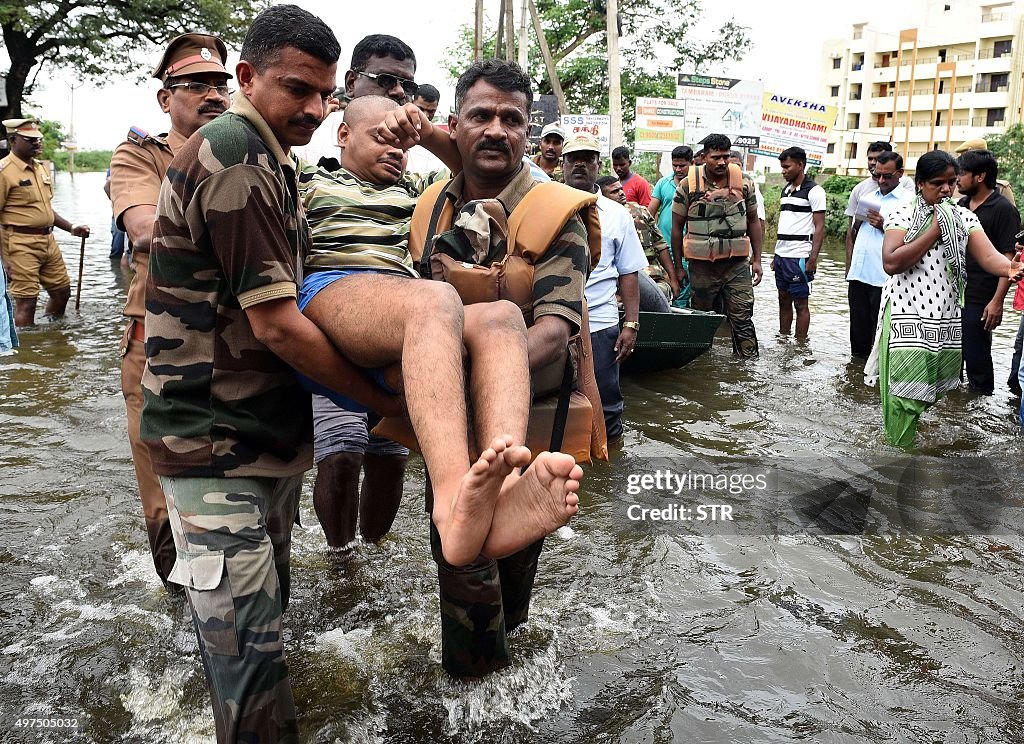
(987, 100)
(991, 64)
(983, 121)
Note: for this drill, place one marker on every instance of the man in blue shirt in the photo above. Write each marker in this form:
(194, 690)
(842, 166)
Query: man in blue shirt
(864, 262)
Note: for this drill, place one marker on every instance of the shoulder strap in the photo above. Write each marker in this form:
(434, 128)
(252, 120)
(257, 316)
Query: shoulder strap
(693, 179)
(735, 178)
(538, 219)
(428, 217)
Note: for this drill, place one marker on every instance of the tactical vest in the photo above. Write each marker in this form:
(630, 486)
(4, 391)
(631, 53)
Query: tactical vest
(533, 226)
(716, 228)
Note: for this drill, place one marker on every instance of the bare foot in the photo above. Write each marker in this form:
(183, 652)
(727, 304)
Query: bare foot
(464, 528)
(535, 504)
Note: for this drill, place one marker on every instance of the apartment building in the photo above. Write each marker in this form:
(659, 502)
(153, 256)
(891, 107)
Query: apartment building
(955, 76)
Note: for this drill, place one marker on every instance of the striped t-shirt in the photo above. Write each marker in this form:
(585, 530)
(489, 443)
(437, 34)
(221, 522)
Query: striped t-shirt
(356, 224)
(796, 218)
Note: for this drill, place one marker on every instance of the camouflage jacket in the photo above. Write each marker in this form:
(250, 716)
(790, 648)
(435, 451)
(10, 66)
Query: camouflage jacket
(229, 235)
(650, 238)
(558, 278)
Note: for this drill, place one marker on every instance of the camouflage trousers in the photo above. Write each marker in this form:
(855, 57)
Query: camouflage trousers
(481, 603)
(731, 280)
(233, 537)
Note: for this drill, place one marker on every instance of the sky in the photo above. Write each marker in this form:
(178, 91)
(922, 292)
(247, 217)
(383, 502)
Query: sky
(783, 57)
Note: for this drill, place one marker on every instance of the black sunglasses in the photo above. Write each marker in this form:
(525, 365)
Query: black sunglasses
(388, 82)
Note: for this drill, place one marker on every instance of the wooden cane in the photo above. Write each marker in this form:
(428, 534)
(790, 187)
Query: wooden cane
(81, 268)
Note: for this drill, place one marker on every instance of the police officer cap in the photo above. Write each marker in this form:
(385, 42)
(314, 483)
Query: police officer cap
(972, 144)
(25, 127)
(190, 54)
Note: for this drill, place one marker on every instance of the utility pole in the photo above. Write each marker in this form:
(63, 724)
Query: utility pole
(510, 32)
(499, 40)
(478, 38)
(71, 144)
(549, 63)
(524, 40)
(614, 75)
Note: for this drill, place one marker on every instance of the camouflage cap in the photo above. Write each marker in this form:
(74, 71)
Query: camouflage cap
(190, 54)
(582, 143)
(28, 127)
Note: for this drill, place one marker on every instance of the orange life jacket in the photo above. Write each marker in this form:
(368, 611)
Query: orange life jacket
(533, 226)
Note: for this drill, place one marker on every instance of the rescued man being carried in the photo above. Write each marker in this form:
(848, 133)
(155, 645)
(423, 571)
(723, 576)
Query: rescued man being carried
(414, 341)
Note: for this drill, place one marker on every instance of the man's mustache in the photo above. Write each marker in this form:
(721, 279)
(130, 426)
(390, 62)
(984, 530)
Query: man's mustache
(212, 108)
(305, 121)
(496, 145)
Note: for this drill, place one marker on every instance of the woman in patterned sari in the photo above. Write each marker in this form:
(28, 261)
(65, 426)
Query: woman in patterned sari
(917, 353)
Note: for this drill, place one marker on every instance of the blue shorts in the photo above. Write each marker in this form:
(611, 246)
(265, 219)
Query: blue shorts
(312, 284)
(791, 276)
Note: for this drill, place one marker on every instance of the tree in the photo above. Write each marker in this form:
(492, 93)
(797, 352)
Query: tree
(53, 138)
(1008, 149)
(96, 38)
(659, 40)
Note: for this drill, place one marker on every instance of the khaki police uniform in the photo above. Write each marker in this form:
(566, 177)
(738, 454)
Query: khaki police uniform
(137, 170)
(26, 217)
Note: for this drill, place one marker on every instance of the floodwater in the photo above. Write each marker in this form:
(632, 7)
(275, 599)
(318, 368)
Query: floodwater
(637, 635)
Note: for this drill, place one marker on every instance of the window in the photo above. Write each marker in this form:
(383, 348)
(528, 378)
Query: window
(938, 119)
(835, 91)
(995, 118)
(942, 52)
(836, 62)
(830, 148)
(999, 82)
(1002, 48)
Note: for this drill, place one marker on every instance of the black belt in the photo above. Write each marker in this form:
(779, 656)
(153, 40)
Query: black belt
(786, 236)
(28, 230)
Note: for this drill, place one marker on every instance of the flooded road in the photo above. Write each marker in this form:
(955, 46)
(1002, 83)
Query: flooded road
(637, 635)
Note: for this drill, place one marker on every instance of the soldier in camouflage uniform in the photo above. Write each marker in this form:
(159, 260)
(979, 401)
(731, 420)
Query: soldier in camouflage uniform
(485, 600)
(360, 218)
(659, 260)
(194, 92)
(226, 423)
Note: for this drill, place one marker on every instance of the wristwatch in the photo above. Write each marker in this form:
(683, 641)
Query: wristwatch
(634, 324)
